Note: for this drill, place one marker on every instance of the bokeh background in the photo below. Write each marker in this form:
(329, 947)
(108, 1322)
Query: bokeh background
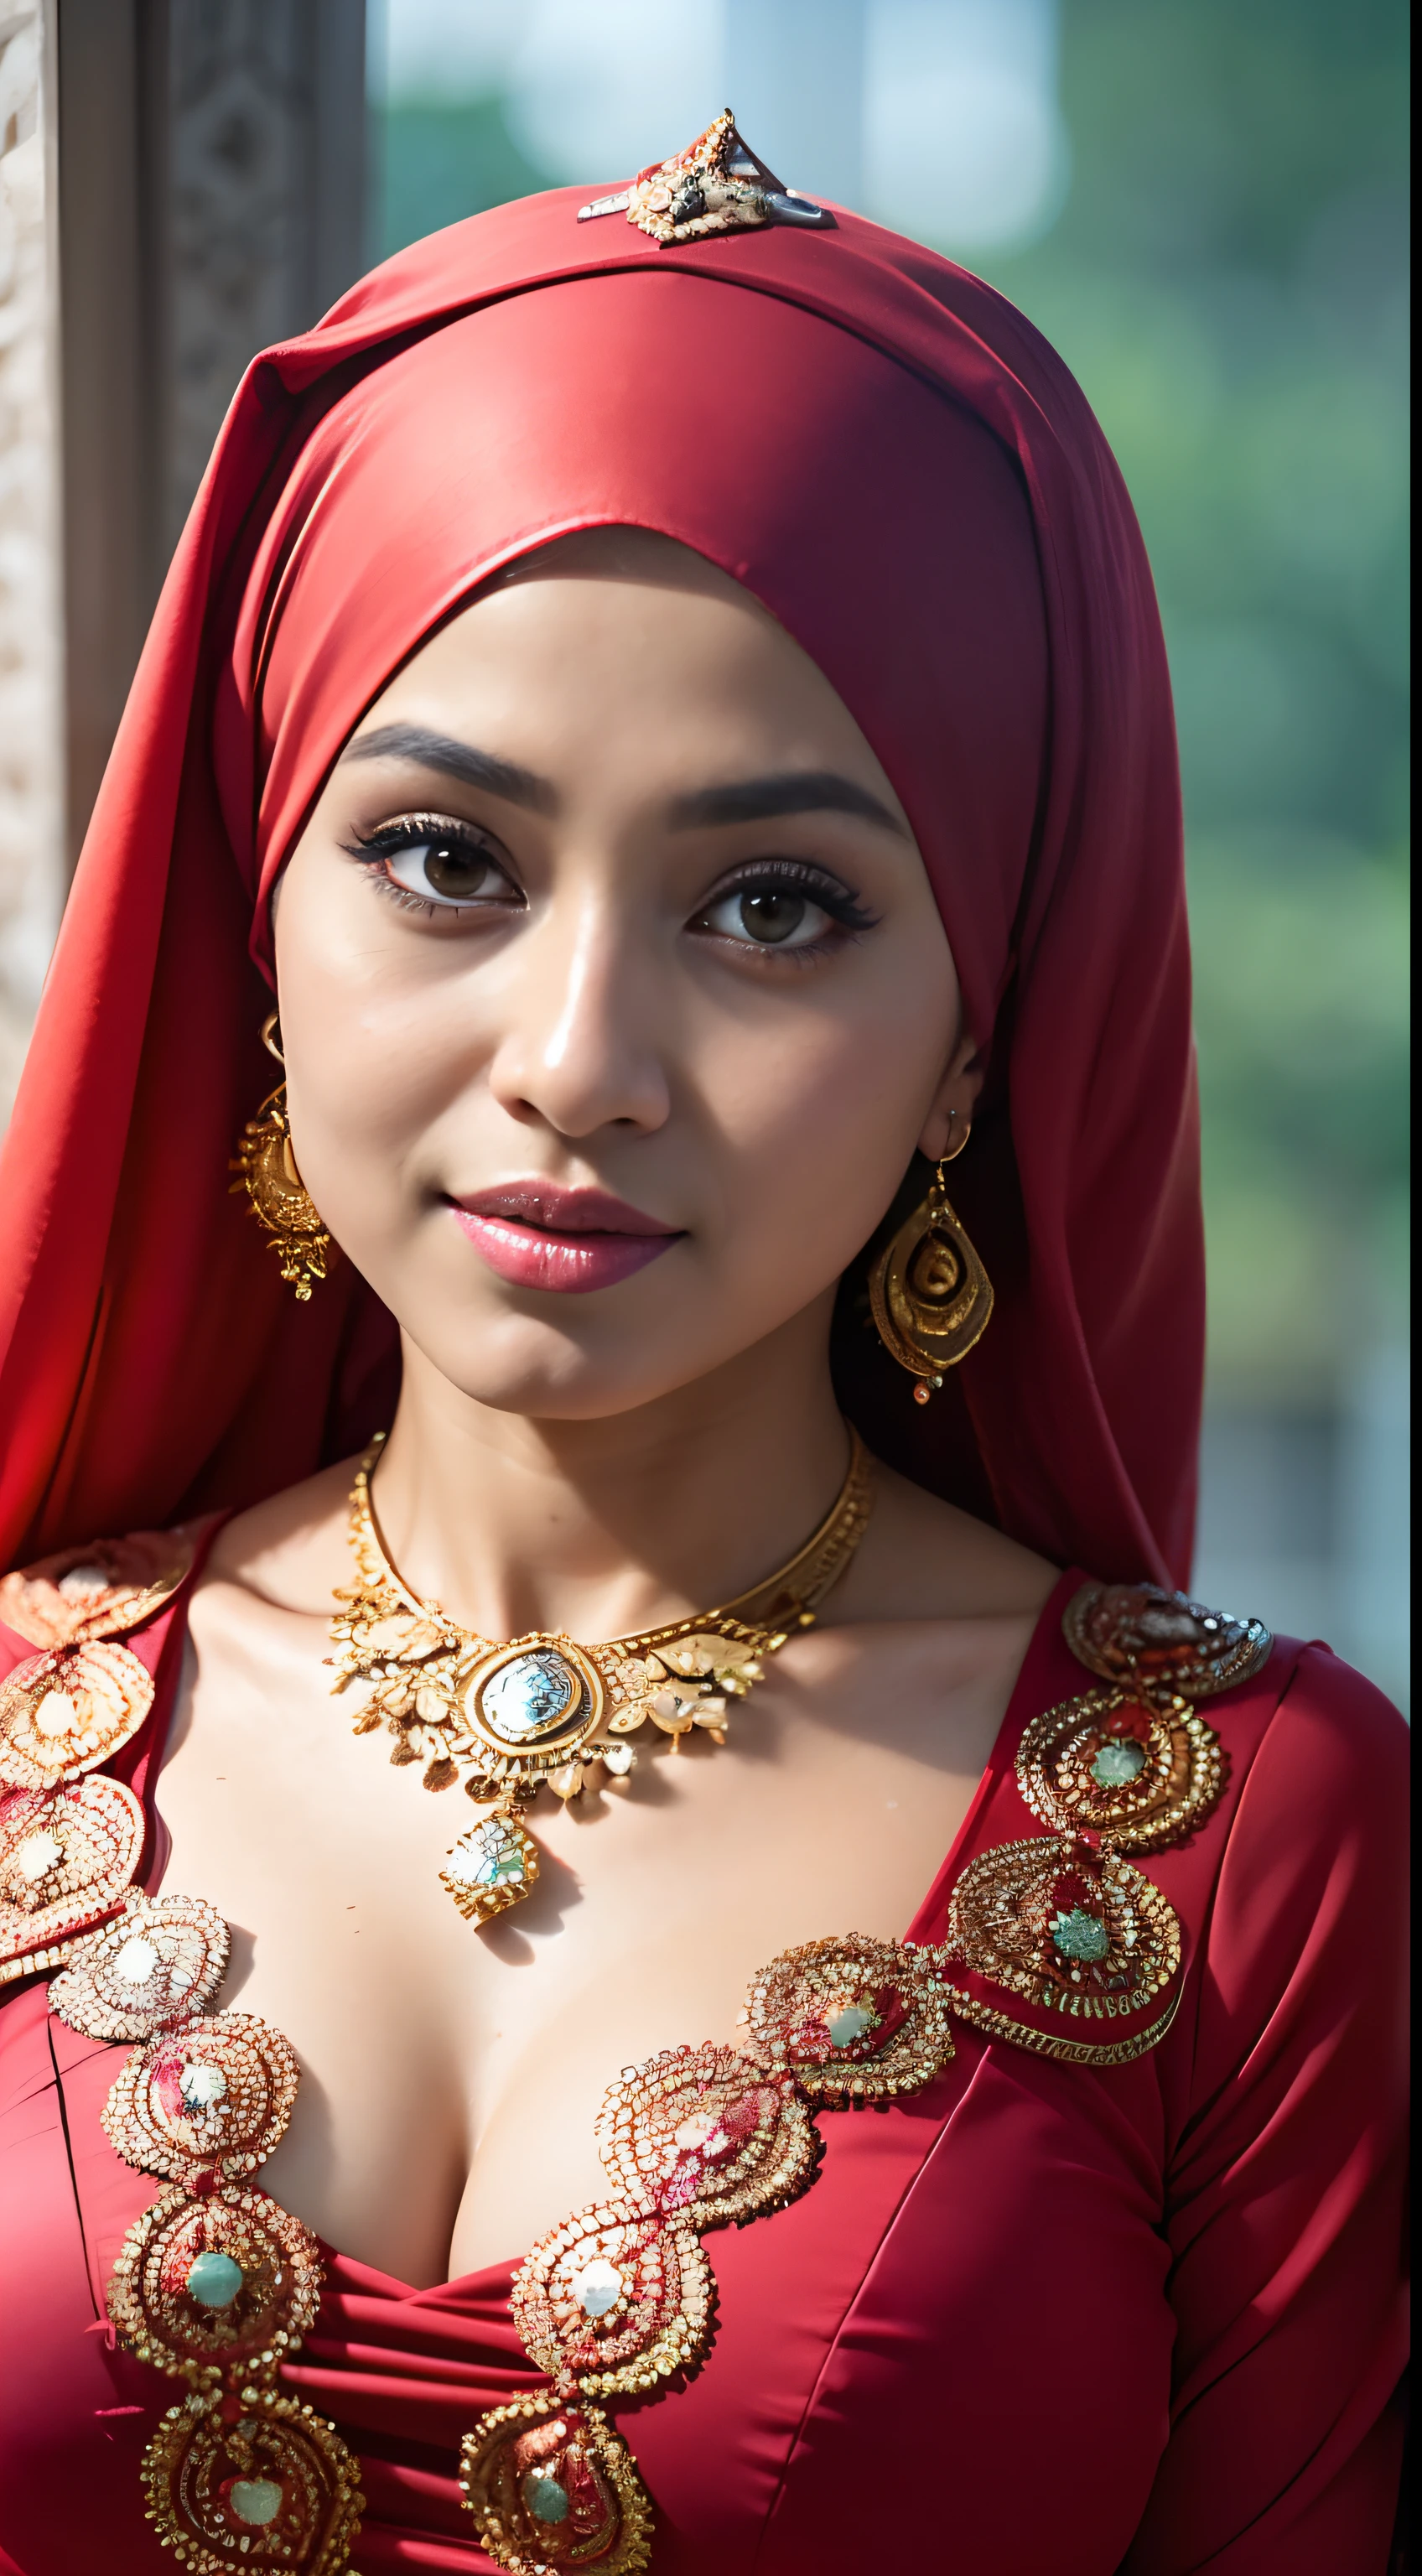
(1203, 207)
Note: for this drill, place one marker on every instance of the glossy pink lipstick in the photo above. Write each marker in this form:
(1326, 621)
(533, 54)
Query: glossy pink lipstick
(536, 1234)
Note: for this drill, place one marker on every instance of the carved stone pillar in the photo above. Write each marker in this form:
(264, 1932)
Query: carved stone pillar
(264, 216)
(211, 199)
(31, 722)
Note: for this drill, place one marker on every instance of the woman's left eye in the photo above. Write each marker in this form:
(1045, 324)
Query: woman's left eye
(767, 913)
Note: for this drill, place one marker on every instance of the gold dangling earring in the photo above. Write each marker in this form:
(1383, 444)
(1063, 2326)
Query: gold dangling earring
(281, 1203)
(929, 1291)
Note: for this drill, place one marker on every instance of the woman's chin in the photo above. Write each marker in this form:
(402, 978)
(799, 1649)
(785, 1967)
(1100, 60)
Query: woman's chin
(550, 1374)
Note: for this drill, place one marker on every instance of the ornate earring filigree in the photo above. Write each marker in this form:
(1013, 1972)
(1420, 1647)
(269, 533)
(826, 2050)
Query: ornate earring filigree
(281, 1203)
(930, 1295)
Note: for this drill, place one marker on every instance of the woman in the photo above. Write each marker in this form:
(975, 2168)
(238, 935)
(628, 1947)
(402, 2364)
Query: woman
(672, 714)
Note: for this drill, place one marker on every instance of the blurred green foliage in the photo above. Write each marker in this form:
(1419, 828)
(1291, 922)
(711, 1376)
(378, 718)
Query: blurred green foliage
(440, 160)
(1228, 281)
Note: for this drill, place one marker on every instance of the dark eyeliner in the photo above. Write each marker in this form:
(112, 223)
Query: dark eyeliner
(802, 877)
(413, 830)
(373, 851)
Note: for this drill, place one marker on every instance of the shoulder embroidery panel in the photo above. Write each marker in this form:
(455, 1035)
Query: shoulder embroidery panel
(1064, 1924)
(72, 1839)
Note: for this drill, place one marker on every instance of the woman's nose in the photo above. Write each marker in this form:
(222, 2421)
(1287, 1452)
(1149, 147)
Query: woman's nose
(581, 1047)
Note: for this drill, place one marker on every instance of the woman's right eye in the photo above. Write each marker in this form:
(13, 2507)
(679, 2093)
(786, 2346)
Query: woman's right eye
(440, 868)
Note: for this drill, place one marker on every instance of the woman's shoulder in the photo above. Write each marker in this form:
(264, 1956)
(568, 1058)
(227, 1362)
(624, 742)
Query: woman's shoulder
(1330, 1767)
(292, 1549)
(925, 1559)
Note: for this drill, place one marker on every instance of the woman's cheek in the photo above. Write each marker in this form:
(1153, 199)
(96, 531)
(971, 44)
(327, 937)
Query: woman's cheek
(815, 1142)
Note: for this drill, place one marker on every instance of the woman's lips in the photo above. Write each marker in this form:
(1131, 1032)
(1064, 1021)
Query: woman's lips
(569, 1241)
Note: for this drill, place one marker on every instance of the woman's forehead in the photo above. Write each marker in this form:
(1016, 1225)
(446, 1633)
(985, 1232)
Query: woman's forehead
(875, 519)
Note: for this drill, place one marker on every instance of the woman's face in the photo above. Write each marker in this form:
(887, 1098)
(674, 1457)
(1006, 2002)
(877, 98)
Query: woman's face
(613, 994)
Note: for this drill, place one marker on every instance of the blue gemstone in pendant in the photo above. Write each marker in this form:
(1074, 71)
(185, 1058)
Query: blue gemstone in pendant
(491, 1867)
(1079, 1935)
(497, 1868)
(531, 1695)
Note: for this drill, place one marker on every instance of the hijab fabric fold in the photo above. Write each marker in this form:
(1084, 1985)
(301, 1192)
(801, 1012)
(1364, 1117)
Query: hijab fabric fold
(894, 463)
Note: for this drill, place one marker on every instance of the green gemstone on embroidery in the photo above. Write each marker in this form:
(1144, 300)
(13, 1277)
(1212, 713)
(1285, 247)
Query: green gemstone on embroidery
(214, 2280)
(545, 2498)
(1079, 1935)
(1118, 1763)
(848, 2024)
(255, 2501)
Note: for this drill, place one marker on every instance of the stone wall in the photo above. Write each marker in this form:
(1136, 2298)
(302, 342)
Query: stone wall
(31, 727)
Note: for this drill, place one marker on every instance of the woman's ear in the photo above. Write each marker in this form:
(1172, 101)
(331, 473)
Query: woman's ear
(955, 1098)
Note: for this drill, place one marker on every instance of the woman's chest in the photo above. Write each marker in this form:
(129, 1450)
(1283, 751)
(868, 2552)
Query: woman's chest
(451, 2077)
(953, 2346)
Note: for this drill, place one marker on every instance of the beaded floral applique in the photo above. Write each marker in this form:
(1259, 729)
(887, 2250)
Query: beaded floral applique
(215, 2284)
(100, 1590)
(621, 2296)
(69, 1840)
(1063, 1922)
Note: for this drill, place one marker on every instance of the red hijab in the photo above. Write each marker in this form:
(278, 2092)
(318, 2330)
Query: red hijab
(893, 462)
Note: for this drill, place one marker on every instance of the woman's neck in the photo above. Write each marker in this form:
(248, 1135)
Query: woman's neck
(601, 1527)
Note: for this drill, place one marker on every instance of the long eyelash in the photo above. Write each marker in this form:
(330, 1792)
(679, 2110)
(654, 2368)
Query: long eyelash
(374, 871)
(410, 831)
(807, 879)
(826, 891)
(372, 849)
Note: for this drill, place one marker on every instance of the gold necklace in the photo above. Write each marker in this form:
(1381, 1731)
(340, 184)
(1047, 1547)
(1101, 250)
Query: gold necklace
(510, 1718)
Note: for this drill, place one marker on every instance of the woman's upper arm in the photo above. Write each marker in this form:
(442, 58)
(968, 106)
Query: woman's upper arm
(1286, 2180)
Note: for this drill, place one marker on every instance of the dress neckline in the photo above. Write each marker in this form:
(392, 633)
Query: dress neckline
(350, 2274)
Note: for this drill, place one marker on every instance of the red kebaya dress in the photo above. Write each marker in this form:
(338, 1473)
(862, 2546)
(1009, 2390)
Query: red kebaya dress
(1036, 2317)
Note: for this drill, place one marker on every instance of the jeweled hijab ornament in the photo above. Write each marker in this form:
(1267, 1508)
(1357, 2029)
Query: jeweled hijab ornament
(511, 1718)
(717, 185)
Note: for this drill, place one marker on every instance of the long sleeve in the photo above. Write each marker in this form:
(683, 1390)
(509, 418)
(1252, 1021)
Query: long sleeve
(1284, 2213)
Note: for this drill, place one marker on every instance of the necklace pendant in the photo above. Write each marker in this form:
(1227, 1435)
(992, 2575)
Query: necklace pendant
(533, 1704)
(492, 1867)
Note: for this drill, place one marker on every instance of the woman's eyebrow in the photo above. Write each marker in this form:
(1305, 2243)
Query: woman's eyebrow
(800, 791)
(458, 760)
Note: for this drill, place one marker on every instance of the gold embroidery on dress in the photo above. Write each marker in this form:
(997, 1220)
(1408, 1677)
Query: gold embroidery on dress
(215, 2284)
(1159, 1646)
(98, 1590)
(69, 1840)
(622, 2295)
(67, 1859)
(1065, 1921)
(1047, 2043)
